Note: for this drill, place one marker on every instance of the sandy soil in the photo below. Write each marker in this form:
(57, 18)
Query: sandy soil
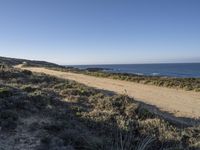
(174, 101)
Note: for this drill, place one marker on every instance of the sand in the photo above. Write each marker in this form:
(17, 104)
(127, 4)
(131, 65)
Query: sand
(178, 102)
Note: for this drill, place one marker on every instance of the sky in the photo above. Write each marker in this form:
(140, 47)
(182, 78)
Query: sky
(101, 31)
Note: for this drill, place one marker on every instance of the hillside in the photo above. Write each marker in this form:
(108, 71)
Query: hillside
(42, 112)
(14, 61)
(179, 103)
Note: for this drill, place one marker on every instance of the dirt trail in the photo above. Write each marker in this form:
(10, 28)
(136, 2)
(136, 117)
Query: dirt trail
(178, 102)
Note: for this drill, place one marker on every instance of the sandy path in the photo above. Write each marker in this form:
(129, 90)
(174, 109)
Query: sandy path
(178, 102)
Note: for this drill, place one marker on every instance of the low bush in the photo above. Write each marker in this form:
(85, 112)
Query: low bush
(8, 119)
(44, 112)
(5, 92)
(27, 72)
(28, 88)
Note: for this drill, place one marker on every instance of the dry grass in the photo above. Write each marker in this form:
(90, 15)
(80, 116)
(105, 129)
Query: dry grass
(51, 113)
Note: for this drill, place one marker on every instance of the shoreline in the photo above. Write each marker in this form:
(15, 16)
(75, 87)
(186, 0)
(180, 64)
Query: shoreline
(180, 70)
(187, 84)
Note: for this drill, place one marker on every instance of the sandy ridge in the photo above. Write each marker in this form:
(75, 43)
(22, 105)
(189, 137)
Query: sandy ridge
(178, 102)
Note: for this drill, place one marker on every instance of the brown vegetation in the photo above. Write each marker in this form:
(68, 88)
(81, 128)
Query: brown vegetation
(43, 112)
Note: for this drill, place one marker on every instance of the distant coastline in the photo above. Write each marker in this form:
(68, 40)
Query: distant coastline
(182, 70)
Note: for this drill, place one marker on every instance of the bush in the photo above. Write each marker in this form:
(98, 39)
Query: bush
(27, 72)
(53, 143)
(39, 101)
(5, 92)
(144, 113)
(8, 119)
(28, 88)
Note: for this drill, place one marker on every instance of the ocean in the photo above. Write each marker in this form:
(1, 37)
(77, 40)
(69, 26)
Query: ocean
(186, 70)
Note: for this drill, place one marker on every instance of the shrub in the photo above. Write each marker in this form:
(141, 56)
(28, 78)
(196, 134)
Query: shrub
(28, 88)
(5, 92)
(27, 72)
(53, 143)
(39, 100)
(8, 119)
(144, 113)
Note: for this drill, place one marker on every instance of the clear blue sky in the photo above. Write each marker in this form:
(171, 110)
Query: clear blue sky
(101, 31)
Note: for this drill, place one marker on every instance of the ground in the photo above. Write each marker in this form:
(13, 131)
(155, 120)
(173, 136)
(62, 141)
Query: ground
(180, 103)
(39, 111)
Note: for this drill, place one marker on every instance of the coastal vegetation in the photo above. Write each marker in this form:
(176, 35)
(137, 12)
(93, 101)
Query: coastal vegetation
(13, 61)
(187, 84)
(41, 112)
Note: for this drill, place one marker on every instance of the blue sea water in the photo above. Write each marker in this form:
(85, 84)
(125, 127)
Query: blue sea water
(172, 70)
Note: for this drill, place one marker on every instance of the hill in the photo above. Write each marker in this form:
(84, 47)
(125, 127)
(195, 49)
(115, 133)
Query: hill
(42, 112)
(14, 61)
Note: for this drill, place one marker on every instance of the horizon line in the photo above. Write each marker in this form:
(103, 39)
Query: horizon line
(145, 63)
(132, 63)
